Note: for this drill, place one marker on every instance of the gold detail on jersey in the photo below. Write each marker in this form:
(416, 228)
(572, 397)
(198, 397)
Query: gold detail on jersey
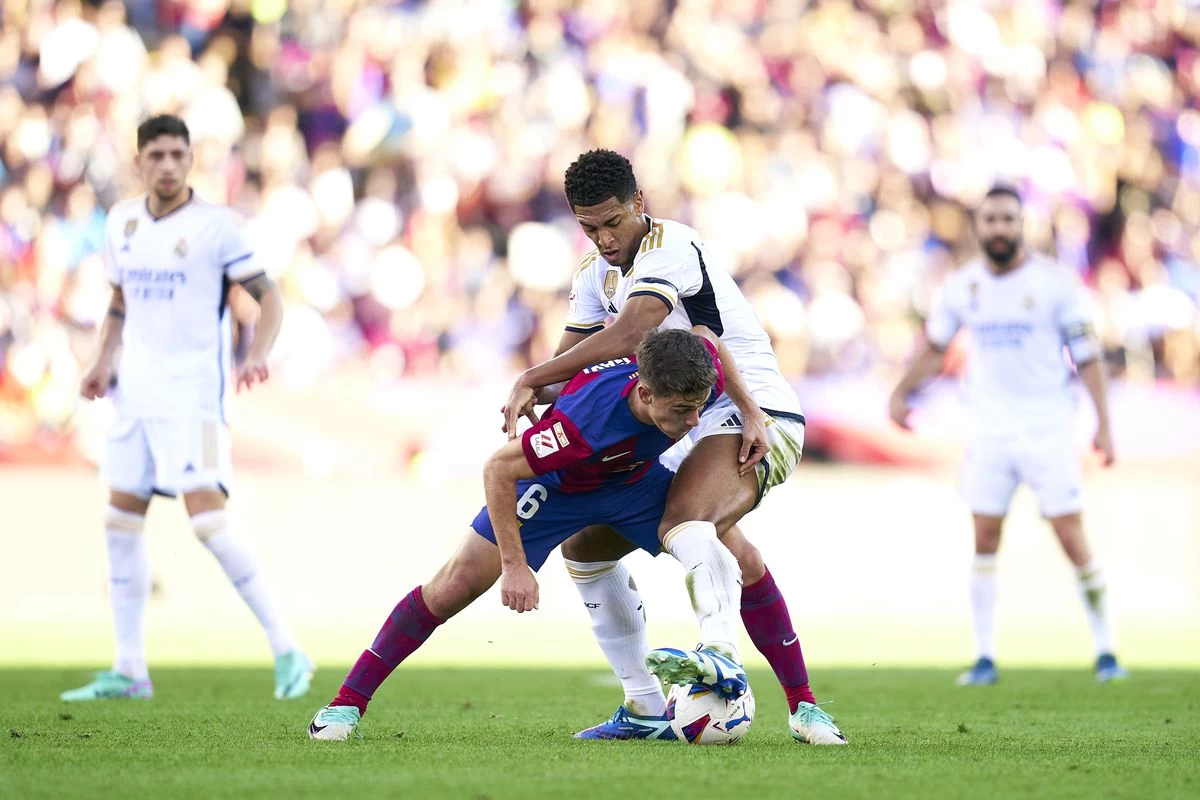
(130, 227)
(587, 262)
(558, 431)
(181, 248)
(653, 239)
(610, 282)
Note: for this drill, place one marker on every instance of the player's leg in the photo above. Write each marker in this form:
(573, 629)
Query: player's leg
(1093, 590)
(990, 476)
(211, 524)
(593, 560)
(767, 620)
(128, 469)
(1051, 467)
(195, 456)
(468, 574)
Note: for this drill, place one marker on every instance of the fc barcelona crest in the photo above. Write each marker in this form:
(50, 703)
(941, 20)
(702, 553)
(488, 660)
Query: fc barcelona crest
(181, 248)
(130, 227)
(610, 282)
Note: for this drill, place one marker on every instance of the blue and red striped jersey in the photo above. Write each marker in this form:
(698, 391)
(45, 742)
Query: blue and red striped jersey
(590, 437)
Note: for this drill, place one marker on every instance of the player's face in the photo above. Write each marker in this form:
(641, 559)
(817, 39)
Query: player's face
(998, 225)
(675, 415)
(164, 164)
(615, 228)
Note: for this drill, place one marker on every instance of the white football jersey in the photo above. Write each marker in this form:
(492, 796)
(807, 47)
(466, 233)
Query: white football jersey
(1018, 379)
(175, 272)
(674, 266)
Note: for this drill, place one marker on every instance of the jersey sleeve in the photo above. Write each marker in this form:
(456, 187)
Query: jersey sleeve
(585, 308)
(1073, 317)
(554, 442)
(667, 275)
(944, 320)
(235, 252)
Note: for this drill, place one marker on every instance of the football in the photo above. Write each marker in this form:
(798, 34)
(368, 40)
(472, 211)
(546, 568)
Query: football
(700, 716)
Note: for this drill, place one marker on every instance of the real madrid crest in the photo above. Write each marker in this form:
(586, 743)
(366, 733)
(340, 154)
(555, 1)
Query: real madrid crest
(130, 227)
(610, 282)
(973, 288)
(1029, 302)
(181, 248)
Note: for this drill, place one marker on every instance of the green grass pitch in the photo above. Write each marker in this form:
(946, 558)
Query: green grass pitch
(504, 733)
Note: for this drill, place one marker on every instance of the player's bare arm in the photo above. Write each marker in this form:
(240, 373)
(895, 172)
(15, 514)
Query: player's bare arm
(1094, 378)
(926, 365)
(270, 317)
(754, 421)
(518, 587)
(98, 378)
(548, 394)
(618, 340)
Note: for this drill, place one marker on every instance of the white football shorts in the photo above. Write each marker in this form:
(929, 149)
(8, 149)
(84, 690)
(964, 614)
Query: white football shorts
(1048, 463)
(148, 456)
(785, 433)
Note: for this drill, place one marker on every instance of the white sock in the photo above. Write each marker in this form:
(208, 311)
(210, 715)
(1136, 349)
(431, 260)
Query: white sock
(714, 582)
(619, 625)
(128, 590)
(1094, 591)
(241, 566)
(983, 603)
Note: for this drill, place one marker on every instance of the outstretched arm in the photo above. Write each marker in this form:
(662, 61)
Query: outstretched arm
(270, 317)
(518, 587)
(926, 365)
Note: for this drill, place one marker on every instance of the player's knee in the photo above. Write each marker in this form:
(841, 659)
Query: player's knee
(208, 524)
(453, 588)
(589, 571)
(749, 559)
(117, 520)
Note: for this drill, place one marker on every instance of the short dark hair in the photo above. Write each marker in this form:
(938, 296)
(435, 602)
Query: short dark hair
(162, 125)
(1005, 190)
(675, 363)
(598, 175)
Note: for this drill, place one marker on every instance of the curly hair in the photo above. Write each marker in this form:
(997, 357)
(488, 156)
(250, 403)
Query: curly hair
(675, 363)
(598, 175)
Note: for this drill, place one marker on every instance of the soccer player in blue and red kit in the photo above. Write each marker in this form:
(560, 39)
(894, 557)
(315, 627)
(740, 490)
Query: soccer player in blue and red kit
(592, 459)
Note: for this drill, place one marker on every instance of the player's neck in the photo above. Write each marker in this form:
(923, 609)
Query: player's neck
(159, 208)
(1012, 265)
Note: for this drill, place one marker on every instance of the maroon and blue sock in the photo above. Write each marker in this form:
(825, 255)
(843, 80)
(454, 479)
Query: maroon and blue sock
(765, 615)
(409, 625)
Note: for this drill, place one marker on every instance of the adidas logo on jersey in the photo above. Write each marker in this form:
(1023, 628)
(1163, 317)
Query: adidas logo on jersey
(734, 421)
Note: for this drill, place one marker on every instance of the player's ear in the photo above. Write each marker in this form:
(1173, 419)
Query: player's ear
(644, 394)
(639, 203)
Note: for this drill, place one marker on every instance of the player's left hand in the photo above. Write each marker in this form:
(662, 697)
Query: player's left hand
(253, 370)
(1104, 445)
(520, 403)
(519, 589)
(754, 442)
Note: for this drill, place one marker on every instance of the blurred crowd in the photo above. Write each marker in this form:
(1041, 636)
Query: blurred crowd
(400, 165)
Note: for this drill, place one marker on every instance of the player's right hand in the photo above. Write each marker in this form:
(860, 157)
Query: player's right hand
(96, 381)
(898, 409)
(519, 589)
(520, 403)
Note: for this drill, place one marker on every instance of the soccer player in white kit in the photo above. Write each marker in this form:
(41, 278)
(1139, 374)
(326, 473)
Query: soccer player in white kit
(1020, 309)
(654, 273)
(172, 259)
